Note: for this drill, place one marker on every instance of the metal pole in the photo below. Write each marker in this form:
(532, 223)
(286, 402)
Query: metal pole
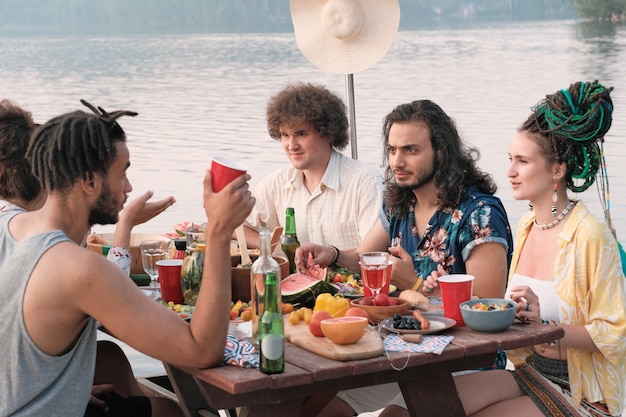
(351, 114)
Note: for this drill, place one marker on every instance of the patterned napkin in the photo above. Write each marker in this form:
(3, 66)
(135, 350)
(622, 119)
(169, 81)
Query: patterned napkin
(430, 344)
(240, 353)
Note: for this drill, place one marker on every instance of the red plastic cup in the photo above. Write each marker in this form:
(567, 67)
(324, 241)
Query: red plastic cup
(169, 280)
(383, 290)
(455, 289)
(225, 170)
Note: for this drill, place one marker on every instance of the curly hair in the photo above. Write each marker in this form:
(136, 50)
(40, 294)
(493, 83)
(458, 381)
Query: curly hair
(308, 103)
(16, 179)
(75, 145)
(568, 126)
(456, 168)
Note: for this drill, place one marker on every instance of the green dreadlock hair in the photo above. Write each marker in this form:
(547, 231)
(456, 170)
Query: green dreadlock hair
(75, 145)
(574, 120)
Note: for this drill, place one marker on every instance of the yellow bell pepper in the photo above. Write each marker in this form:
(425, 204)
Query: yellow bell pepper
(336, 305)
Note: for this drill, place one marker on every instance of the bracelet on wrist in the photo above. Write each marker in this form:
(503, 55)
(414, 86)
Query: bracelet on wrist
(418, 284)
(334, 261)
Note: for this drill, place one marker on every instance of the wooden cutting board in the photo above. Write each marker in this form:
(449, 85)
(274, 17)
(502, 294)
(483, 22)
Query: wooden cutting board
(369, 346)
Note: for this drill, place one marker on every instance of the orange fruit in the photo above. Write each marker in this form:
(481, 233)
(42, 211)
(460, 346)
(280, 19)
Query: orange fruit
(315, 323)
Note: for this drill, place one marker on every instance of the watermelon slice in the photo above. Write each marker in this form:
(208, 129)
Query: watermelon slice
(314, 271)
(302, 290)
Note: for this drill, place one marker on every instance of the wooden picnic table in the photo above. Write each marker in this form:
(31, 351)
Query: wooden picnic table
(425, 378)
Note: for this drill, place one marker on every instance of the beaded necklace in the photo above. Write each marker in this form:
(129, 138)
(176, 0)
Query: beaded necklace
(558, 219)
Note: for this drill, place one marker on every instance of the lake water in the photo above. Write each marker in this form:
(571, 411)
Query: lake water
(201, 95)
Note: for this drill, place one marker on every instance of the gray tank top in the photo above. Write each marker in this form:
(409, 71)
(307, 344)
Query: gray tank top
(33, 383)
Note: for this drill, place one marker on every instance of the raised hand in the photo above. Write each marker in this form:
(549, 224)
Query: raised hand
(138, 211)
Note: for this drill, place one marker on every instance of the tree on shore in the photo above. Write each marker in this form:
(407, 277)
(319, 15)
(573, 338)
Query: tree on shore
(601, 9)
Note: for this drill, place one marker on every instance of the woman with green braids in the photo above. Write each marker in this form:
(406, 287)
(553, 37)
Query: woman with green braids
(566, 271)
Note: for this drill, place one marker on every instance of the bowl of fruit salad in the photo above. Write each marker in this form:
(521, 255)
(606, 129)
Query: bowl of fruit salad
(488, 314)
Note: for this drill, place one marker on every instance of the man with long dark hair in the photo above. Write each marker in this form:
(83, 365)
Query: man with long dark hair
(440, 206)
(440, 216)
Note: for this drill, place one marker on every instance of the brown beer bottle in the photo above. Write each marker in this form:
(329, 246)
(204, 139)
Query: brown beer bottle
(290, 240)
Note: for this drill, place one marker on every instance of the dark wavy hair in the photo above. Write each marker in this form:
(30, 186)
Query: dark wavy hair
(313, 104)
(456, 167)
(569, 125)
(75, 145)
(16, 178)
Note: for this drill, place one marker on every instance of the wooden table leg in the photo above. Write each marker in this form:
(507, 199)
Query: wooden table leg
(189, 396)
(432, 397)
(432, 392)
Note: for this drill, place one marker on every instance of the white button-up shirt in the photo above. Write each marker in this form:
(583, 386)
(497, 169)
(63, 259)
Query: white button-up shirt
(339, 212)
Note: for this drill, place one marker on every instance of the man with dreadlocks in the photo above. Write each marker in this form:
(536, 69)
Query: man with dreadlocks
(55, 291)
(20, 191)
(565, 272)
(440, 217)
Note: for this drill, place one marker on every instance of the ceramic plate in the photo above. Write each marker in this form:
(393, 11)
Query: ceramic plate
(437, 324)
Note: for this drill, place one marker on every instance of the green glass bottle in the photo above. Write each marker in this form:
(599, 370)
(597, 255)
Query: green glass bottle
(290, 239)
(271, 329)
(258, 274)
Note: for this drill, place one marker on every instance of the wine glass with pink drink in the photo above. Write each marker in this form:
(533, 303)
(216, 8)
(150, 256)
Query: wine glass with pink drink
(374, 271)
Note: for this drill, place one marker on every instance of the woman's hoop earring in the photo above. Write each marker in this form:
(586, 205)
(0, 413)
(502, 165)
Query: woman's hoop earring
(555, 198)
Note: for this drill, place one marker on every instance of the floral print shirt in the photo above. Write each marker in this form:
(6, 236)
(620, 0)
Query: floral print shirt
(452, 233)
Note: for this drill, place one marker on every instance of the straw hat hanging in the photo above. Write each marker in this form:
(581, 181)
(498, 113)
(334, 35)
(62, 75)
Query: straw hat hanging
(345, 36)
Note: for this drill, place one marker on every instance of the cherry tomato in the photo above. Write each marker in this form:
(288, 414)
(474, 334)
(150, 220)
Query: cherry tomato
(294, 318)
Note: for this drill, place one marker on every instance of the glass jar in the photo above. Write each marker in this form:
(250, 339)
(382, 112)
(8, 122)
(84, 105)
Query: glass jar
(191, 273)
